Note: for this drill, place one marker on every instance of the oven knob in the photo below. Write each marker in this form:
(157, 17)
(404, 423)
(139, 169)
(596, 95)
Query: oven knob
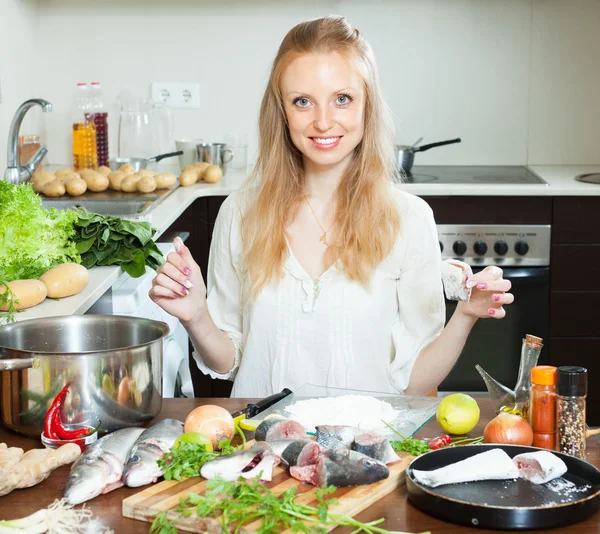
(441, 247)
(500, 248)
(521, 248)
(459, 248)
(480, 248)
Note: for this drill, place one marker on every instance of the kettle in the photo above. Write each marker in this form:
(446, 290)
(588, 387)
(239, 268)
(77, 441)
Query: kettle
(145, 126)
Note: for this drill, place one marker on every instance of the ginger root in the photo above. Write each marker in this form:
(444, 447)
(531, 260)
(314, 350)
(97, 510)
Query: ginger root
(9, 456)
(35, 466)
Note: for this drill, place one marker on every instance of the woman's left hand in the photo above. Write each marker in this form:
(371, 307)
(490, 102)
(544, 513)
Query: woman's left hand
(489, 294)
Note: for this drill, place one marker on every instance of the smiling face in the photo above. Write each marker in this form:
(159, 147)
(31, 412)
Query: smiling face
(324, 104)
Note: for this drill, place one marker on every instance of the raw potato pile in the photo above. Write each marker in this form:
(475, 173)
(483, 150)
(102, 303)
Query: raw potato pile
(69, 182)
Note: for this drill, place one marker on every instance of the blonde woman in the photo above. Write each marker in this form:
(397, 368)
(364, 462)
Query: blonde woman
(320, 270)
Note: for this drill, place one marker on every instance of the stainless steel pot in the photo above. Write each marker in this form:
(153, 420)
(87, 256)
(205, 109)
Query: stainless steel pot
(114, 363)
(140, 163)
(405, 154)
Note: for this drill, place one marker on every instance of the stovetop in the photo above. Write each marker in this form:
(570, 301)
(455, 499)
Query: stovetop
(474, 175)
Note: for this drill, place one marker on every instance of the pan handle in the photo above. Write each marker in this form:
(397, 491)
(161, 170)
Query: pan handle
(433, 145)
(169, 155)
(18, 364)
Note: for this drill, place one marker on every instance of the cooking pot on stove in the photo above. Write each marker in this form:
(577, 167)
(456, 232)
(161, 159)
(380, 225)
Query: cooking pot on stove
(405, 154)
(114, 363)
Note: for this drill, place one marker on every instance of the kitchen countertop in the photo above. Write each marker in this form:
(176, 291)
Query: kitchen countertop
(399, 514)
(561, 182)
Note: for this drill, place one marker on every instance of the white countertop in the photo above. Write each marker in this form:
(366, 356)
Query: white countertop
(561, 182)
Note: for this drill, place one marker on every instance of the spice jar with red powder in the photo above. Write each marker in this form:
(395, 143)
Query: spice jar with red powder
(542, 406)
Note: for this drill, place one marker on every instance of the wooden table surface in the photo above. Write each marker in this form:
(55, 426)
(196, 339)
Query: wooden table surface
(399, 513)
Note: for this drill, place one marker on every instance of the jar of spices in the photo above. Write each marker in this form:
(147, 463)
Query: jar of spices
(542, 406)
(571, 391)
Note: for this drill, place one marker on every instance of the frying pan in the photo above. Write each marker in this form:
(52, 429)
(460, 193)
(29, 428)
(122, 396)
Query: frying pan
(140, 163)
(405, 154)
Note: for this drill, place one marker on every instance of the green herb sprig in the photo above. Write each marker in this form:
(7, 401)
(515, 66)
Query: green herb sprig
(238, 504)
(7, 297)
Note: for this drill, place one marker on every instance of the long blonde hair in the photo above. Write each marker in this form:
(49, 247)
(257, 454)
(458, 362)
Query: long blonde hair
(367, 219)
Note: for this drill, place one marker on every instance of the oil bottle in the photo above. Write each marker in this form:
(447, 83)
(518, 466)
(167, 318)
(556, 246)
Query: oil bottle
(84, 132)
(99, 116)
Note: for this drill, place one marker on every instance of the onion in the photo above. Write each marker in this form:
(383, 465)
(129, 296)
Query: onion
(211, 421)
(508, 429)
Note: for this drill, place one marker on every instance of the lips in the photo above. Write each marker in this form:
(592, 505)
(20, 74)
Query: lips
(325, 143)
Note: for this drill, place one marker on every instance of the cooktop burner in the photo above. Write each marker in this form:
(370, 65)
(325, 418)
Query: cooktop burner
(499, 175)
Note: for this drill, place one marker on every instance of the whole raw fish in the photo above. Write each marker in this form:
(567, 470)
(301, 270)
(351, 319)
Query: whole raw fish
(249, 463)
(99, 469)
(141, 467)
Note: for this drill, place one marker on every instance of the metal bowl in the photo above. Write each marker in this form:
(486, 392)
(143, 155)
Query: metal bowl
(114, 363)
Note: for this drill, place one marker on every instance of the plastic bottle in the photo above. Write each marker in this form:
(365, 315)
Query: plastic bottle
(99, 116)
(571, 390)
(542, 406)
(84, 132)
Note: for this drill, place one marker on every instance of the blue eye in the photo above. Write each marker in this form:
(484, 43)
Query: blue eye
(301, 102)
(343, 99)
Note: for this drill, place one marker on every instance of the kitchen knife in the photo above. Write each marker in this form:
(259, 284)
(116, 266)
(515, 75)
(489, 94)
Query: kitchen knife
(253, 409)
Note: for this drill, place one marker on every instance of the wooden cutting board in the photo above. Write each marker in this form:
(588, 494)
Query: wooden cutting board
(165, 496)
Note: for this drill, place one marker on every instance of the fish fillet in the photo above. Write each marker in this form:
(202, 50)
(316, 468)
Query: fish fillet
(494, 464)
(539, 467)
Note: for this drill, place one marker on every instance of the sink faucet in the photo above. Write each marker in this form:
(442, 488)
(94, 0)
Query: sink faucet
(16, 173)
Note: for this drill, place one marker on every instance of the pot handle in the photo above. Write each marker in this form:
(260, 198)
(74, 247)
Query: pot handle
(163, 156)
(423, 148)
(18, 364)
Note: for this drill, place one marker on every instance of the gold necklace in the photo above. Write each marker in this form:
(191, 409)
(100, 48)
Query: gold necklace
(323, 238)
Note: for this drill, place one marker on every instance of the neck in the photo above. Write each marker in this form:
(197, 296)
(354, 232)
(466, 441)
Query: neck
(321, 181)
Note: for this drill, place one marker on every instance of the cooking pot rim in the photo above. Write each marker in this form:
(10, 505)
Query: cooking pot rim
(28, 353)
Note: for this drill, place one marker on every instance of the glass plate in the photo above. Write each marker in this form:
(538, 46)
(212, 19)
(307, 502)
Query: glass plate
(413, 411)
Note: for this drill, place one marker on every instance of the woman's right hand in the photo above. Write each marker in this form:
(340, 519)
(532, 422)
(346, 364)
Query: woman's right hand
(178, 287)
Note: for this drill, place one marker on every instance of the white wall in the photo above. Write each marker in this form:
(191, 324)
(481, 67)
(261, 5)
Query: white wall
(19, 67)
(517, 80)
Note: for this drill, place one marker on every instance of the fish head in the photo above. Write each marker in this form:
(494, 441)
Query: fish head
(141, 468)
(373, 470)
(86, 480)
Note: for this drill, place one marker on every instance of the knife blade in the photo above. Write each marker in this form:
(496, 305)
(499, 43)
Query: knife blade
(255, 408)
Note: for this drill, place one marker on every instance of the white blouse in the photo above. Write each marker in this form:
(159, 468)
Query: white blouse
(330, 331)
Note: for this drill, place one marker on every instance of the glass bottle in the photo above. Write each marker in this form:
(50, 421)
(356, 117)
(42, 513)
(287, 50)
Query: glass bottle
(515, 401)
(571, 392)
(84, 132)
(542, 406)
(99, 116)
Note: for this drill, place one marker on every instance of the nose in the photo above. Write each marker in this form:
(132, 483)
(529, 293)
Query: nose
(323, 119)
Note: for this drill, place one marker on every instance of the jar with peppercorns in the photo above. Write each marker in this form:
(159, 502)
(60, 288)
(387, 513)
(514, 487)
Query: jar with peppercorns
(571, 392)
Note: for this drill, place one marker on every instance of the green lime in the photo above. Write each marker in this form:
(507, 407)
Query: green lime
(194, 437)
(108, 385)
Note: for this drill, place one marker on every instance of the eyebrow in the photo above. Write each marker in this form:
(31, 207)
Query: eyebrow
(334, 93)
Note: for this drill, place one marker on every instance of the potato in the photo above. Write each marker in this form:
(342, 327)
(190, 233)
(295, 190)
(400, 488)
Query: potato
(75, 187)
(201, 167)
(188, 178)
(147, 184)
(95, 181)
(28, 293)
(103, 169)
(64, 171)
(146, 172)
(40, 179)
(115, 178)
(65, 280)
(165, 180)
(193, 167)
(213, 174)
(68, 174)
(129, 183)
(127, 168)
(54, 189)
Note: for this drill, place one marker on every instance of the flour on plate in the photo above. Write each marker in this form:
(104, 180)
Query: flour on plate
(367, 413)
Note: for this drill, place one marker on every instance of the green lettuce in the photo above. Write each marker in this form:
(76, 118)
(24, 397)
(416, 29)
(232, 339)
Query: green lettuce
(33, 239)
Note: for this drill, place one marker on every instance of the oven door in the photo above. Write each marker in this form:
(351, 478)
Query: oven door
(495, 344)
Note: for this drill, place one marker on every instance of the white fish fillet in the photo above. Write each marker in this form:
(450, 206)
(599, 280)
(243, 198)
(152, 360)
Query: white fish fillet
(539, 467)
(494, 464)
(454, 278)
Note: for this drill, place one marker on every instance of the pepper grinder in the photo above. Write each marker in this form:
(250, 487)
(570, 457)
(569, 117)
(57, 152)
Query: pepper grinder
(571, 392)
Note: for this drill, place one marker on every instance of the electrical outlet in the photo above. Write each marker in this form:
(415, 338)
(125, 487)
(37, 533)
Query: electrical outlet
(177, 94)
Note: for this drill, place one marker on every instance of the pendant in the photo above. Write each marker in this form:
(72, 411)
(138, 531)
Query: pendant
(323, 239)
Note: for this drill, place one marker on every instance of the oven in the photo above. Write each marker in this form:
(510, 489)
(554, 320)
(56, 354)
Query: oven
(523, 252)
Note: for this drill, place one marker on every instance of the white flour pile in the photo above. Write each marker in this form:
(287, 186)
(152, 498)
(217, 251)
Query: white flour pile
(361, 411)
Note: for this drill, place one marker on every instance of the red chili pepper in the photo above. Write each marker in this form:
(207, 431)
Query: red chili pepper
(78, 433)
(439, 442)
(52, 421)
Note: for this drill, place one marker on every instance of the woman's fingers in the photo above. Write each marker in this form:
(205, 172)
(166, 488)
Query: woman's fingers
(179, 263)
(168, 283)
(497, 286)
(502, 299)
(497, 313)
(175, 274)
(159, 292)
